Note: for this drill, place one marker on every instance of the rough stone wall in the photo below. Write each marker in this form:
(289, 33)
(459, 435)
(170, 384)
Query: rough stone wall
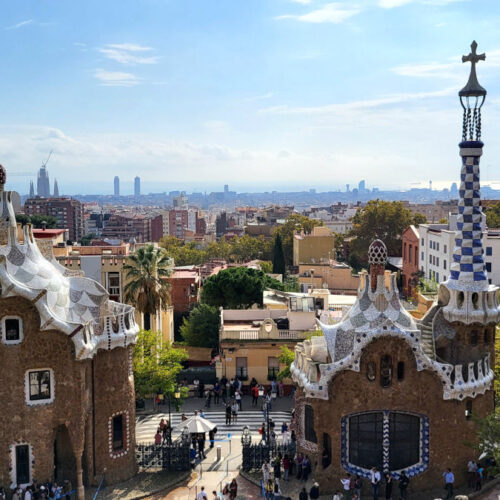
(419, 392)
(73, 402)
(114, 394)
(36, 425)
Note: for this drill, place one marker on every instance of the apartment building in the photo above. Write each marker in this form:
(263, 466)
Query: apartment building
(435, 251)
(67, 211)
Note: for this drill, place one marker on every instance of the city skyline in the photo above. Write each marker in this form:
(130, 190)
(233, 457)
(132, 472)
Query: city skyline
(276, 94)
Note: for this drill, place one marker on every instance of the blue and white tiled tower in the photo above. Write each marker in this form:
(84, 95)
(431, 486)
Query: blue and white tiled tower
(470, 298)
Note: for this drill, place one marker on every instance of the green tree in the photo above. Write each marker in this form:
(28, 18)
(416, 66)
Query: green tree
(156, 365)
(278, 256)
(266, 266)
(493, 215)
(487, 438)
(146, 272)
(85, 241)
(291, 284)
(237, 288)
(201, 328)
(442, 220)
(37, 220)
(285, 358)
(385, 220)
(295, 222)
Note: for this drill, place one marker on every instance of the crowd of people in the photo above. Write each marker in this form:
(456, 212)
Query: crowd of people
(37, 491)
(229, 492)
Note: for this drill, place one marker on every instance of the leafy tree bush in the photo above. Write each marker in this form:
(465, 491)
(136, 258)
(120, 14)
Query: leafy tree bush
(385, 220)
(285, 358)
(37, 220)
(493, 216)
(156, 365)
(278, 256)
(237, 288)
(201, 328)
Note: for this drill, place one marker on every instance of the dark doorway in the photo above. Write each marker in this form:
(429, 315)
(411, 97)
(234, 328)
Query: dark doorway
(147, 321)
(64, 458)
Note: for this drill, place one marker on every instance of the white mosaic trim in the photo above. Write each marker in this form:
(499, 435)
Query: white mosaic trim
(126, 437)
(13, 465)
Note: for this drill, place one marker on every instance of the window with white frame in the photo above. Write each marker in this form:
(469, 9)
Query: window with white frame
(12, 330)
(39, 386)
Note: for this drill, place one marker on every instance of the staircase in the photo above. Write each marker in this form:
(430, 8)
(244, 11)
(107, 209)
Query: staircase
(428, 340)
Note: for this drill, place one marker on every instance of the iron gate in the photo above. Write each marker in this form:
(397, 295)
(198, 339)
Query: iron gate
(163, 456)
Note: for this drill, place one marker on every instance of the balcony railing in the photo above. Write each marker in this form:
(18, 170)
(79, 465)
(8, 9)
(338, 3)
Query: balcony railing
(256, 334)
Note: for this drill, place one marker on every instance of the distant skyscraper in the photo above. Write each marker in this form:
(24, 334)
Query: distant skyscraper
(56, 189)
(117, 186)
(361, 186)
(347, 188)
(454, 190)
(226, 188)
(32, 190)
(43, 183)
(137, 186)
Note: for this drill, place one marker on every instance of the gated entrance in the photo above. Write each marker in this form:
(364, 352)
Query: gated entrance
(163, 456)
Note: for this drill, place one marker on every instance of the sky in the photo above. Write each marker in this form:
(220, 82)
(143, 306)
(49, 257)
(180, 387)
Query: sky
(257, 94)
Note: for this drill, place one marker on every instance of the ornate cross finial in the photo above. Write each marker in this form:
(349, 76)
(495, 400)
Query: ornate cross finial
(473, 89)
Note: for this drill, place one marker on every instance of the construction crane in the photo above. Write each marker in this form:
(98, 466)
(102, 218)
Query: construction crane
(48, 158)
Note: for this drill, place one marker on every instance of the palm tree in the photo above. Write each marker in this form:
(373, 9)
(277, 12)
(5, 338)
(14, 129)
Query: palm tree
(147, 287)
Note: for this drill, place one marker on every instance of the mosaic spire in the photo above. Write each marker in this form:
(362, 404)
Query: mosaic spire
(468, 269)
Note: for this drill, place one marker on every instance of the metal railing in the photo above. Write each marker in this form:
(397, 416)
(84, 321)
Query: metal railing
(256, 334)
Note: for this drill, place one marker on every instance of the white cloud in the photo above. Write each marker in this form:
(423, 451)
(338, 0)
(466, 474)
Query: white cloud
(116, 78)
(390, 4)
(128, 53)
(329, 13)
(356, 105)
(20, 25)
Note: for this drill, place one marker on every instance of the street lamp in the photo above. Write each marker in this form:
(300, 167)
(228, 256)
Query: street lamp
(177, 395)
(246, 437)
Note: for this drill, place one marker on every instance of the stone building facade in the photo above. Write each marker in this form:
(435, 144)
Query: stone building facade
(66, 384)
(383, 389)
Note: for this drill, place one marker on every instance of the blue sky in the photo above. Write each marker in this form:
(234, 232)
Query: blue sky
(260, 94)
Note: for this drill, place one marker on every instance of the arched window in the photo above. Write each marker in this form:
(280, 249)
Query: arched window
(385, 370)
(371, 370)
(401, 371)
(386, 440)
(309, 432)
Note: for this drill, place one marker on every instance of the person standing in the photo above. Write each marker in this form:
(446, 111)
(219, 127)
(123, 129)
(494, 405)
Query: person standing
(286, 467)
(404, 481)
(471, 473)
(216, 392)
(449, 480)
(233, 489)
(388, 487)
(314, 491)
(202, 495)
(303, 495)
(234, 412)
(228, 414)
(237, 396)
(266, 471)
(375, 480)
(358, 486)
(346, 484)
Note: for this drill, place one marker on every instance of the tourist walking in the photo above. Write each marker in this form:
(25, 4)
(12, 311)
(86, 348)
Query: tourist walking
(237, 396)
(449, 480)
(228, 414)
(303, 495)
(471, 473)
(286, 467)
(306, 469)
(375, 480)
(404, 481)
(269, 488)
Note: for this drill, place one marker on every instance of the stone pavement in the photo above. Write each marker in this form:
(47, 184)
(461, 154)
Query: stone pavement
(212, 481)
